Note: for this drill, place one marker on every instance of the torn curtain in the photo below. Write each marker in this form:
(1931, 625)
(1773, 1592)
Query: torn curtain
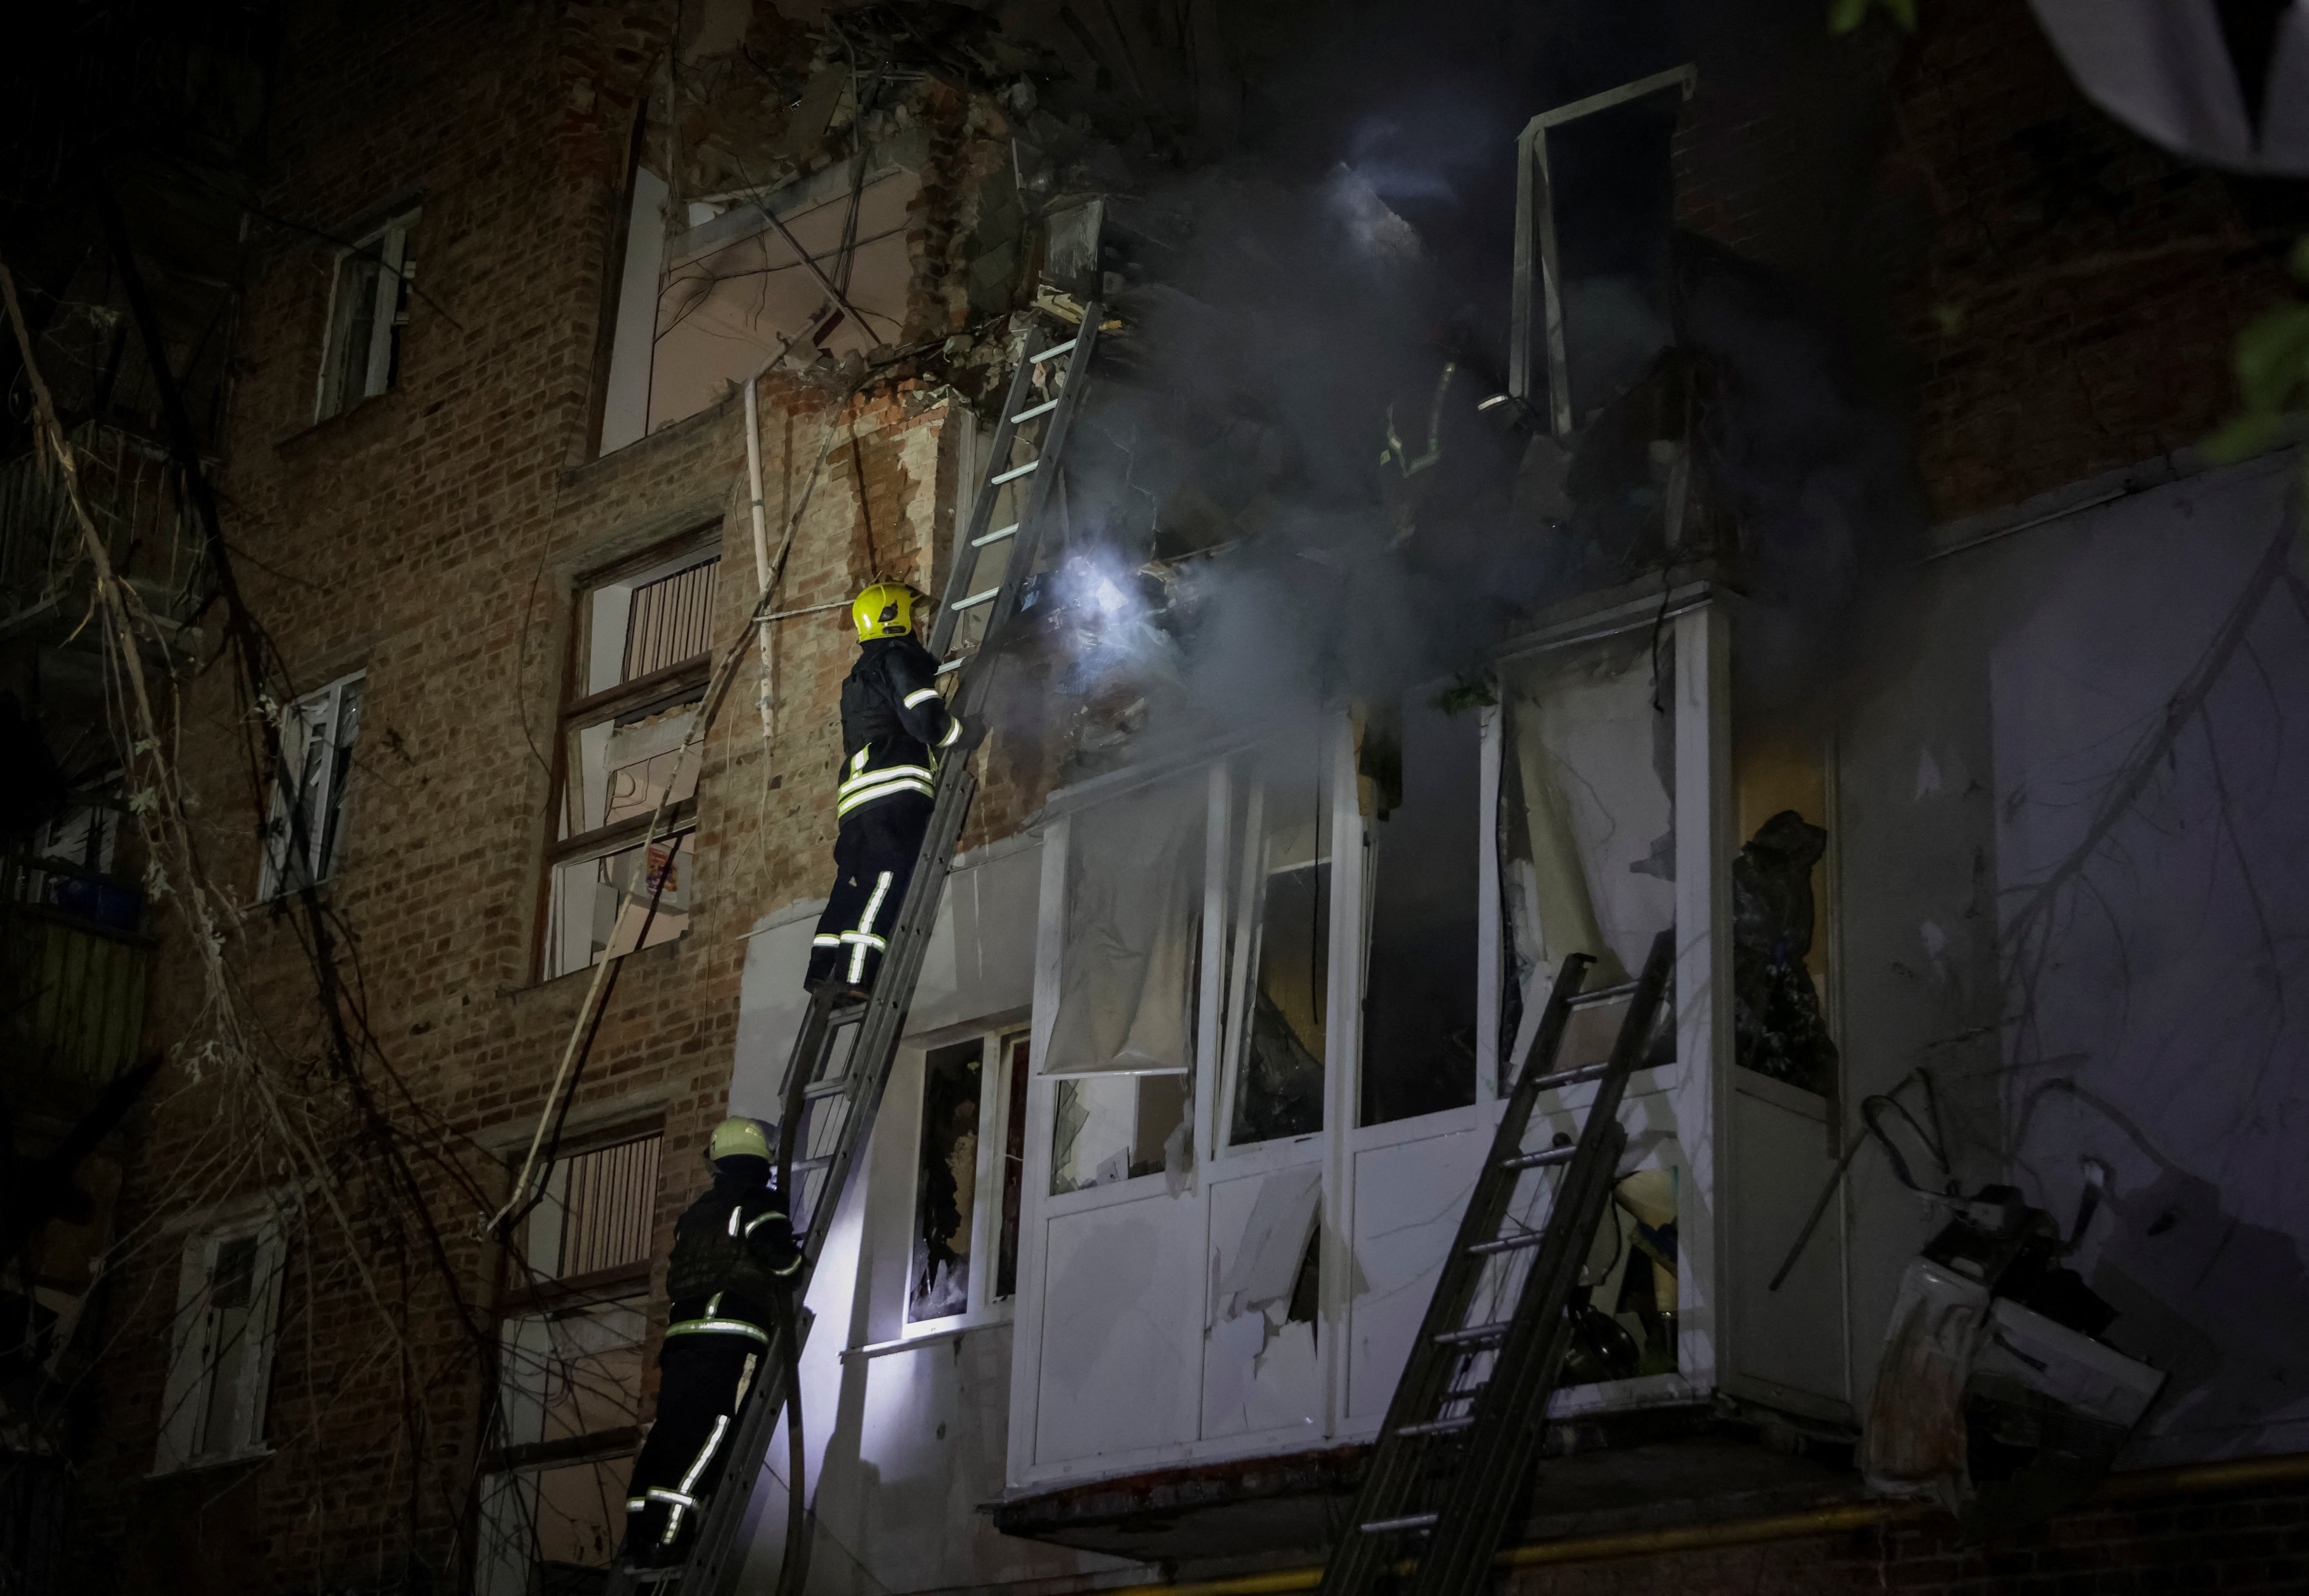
(1133, 913)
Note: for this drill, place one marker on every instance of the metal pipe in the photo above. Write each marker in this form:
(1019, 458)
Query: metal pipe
(2231, 1474)
(761, 543)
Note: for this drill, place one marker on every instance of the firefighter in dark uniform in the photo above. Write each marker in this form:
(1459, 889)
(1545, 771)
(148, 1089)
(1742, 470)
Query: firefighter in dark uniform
(734, 1256)
(895, 726)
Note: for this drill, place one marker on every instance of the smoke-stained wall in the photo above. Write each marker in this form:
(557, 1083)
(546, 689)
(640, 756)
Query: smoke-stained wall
(2072, 877)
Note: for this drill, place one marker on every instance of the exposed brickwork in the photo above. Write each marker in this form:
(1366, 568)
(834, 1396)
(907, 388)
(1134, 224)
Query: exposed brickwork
(2068, 293)
(434, 537)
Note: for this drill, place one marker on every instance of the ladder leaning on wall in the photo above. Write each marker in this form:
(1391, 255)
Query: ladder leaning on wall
(1453, 1454)
(840, 1060)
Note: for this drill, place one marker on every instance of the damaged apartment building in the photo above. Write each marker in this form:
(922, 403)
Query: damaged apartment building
(1748, 518)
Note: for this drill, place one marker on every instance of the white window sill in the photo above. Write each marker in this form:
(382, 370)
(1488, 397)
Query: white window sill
(925, 1338)
(200, 1465)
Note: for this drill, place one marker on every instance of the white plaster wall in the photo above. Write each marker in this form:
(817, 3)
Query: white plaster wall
(901, 1448)
(2076, 885)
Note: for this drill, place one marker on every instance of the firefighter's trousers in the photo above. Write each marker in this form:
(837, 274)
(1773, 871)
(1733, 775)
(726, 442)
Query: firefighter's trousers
(874, 855)
(688, 1446)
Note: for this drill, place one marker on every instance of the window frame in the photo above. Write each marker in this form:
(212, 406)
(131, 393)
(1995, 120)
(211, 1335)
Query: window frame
(1683, 1101)
(190, 1384)
(509, 1472)
(581, 710)
(389, 241)
(1004, 1043)
(273, 879)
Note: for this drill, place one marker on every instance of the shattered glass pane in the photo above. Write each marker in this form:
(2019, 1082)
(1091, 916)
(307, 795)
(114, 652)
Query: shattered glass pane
(1778, 1027)
(946, 1186)
(1013, 1169)
(1588, 828)
(1278, 1087)
(1118, 1127)
(572, 1373)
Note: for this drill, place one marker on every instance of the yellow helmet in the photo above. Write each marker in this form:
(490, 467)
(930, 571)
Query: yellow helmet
(886, 609)
(738, 1138)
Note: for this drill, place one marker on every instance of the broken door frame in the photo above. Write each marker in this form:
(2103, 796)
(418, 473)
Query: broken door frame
(1535, 232)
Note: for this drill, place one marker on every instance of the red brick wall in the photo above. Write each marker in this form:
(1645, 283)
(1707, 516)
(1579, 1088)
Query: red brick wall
(434, 537)
(2062, 295)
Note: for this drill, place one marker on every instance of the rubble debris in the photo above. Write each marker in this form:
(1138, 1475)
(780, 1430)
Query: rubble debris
(1993, 1395)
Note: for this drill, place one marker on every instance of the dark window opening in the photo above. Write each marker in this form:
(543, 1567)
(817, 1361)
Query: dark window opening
(946, 1183)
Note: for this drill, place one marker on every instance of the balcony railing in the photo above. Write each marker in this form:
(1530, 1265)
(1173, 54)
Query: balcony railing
(73, 967)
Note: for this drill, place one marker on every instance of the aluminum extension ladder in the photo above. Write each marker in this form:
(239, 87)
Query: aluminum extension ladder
(1454, 1456)
(840, 1060)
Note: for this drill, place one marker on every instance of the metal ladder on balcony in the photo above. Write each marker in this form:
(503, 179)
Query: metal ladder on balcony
(841, 1059)
(1453, 1454)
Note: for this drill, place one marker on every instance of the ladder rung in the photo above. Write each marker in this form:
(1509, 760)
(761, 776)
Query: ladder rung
(1044, 408)
(995, 536)
(975, 600)
(1603, 994)
(1539, 1161)
(838, 1087)
(1015, 470)
(1507, 1244)
(1400, 1526)
(1586, 1071)
(1054, 351)
(955, 665)
(1437, 1426)
(810, 1166)
(1481, 1332)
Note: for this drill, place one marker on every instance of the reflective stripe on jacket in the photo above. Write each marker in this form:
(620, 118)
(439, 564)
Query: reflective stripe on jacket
(894, 722)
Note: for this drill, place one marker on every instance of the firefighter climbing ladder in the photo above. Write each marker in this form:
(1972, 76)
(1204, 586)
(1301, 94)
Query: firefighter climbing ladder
(840, 1060)
(1454, 1456)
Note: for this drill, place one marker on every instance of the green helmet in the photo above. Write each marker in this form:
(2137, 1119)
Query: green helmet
(738, 1138)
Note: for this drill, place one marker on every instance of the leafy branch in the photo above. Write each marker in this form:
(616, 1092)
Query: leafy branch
(1845, 16)
(2272, 367)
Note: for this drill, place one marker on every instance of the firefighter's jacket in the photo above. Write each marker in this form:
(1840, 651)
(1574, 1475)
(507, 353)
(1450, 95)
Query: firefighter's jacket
(894, 725)
(734, 1254)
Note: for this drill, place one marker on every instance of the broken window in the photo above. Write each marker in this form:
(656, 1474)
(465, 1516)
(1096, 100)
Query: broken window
(625, 398)
(569, 1404)
(1112, 1128)
(1587, 838)
(1127, 969)
(1782, 916)
(645, 641)
(1425, 826)
(1282, 953)
(227, 1303)
(569, 1373)
(1013, 1167)
(368, 305)
(1779, 1023)
(739, 287)
(946, 1182)
(302, 836)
